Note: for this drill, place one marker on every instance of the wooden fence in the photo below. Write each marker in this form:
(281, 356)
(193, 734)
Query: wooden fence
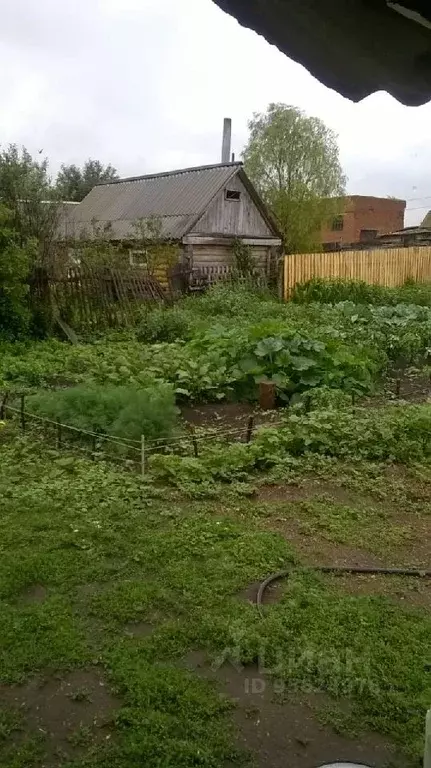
(386, 266)
(94, 298)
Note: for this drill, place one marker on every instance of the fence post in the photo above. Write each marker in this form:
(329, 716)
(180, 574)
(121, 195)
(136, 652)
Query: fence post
(22, 413)
(58, 435)
(195, 444)
(143, 455)
(267, 395)
(249, 429)
(3, 406)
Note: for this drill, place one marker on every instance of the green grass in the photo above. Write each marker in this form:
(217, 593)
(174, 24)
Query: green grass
(110, 549)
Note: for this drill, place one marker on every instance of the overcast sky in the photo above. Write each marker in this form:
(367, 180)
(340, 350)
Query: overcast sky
(145, 84)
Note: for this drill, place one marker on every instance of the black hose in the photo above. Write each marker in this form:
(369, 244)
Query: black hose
(415, 572)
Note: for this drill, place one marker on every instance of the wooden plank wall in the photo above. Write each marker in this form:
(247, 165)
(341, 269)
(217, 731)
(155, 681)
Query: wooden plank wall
(386, 266)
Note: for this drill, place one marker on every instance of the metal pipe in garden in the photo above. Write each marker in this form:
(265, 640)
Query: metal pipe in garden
(339, 569)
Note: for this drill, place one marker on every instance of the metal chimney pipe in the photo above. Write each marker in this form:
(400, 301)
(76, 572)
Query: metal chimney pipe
(227, 140)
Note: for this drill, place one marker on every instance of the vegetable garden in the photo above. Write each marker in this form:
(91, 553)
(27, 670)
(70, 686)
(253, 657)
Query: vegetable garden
(341, 469)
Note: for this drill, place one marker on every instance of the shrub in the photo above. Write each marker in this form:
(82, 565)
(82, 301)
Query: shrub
(231, 300)
(333, 291)
(398, 433)
(126, 412)
(165, 324)
(14, 270)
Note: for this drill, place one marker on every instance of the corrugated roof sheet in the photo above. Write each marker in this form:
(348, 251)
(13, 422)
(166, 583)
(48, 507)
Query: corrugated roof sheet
(177, 199)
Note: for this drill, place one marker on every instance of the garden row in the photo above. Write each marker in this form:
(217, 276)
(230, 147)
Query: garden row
(215, 348)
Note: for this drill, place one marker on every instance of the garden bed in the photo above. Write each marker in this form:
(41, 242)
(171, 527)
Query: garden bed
(128, 598)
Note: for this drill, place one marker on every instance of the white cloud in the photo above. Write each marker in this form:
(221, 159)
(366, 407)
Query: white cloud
(145, 84)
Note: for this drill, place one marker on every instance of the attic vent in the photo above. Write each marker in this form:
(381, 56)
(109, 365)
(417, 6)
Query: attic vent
(232, 194)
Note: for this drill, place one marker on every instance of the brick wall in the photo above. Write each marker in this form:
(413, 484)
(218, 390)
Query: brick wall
(362, 213)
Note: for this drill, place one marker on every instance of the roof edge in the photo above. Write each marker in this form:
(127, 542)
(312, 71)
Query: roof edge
(236, 167)
(260, 203)
(178, 172)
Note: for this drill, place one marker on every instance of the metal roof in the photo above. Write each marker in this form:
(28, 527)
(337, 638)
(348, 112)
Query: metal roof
(178, 199)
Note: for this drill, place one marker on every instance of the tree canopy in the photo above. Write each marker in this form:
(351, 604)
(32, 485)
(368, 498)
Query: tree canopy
(26, 192)
(294, 162)
(74, 183)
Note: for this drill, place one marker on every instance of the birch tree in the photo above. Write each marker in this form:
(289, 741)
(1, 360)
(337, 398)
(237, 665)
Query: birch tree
(294, 162)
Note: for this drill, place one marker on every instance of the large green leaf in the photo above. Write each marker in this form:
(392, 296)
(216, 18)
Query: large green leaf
(250, 365)
(303, 363)
(269, 346)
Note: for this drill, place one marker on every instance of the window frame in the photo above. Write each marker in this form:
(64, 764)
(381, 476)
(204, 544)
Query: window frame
(138, 252)
(236, 195)
(337, 223)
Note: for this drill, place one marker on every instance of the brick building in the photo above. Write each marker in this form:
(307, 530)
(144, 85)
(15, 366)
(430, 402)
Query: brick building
(362, 220)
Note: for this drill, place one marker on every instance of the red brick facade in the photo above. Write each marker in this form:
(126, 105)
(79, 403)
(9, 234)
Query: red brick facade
(363, 219)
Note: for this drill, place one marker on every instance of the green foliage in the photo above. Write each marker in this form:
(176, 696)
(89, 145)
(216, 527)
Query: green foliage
(395, 433)
(293, 160)
(74, 183)
(232, 300)
(109, 549)
(26, 191)
(166, 324)
(125, 412)
(221, 345)
(398, 433)
(295, 363)
(333, 291)
(14, 269)
(242, 258)
(157, 251)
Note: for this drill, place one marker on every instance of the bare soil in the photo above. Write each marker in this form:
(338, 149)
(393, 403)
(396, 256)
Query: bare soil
(282, 729)
(227, 417)
(415, 592)
(307, 490)
(314, 548)
(67, 712)
(138, 629)
(403, 386)
(34, 594)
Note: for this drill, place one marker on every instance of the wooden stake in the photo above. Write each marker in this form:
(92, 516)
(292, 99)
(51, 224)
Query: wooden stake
(2, 406)
(267, 395)
(249, 429)
(398, 387)
(58, 435)
(22, 413)
(195, 445)
(143, 455)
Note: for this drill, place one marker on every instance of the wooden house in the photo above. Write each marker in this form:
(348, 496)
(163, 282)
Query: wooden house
(203, 210)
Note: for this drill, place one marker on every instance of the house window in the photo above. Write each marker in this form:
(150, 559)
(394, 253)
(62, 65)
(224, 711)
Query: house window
(337, 224)
(367, 234)
(139, 258)
(232, 194)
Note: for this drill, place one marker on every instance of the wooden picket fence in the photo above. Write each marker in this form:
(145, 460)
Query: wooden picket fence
(385, 266)
(95, 298)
